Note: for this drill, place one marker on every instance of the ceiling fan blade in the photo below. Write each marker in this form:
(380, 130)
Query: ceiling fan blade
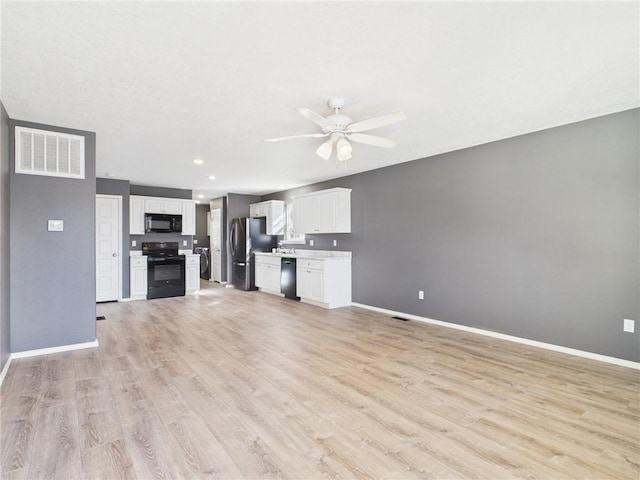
(315, 118)
(376, 122)
(371, 140)
(325, 149)
(306, 135)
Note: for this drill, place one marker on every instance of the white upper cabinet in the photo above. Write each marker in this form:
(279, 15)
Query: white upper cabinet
(136, 215)
(326, 211)
(274, 212)
(163, 205)
(188, 217)
(139, 205)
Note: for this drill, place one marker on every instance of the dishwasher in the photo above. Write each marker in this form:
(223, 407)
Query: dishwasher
(288, 278)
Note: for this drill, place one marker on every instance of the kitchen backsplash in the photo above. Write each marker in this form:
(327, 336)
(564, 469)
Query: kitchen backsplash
(161, 237)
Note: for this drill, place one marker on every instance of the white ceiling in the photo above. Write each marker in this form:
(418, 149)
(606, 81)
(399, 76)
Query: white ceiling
(162, 83)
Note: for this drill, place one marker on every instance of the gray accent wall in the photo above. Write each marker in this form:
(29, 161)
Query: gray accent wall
(201, 226)
(150, 191)
(110, 186)
(536, 236)
(52, 274)
(237, 207)
(5, 323)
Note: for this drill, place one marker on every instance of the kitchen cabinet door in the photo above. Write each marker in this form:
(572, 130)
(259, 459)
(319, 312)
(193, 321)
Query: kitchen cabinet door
(188, 211)
(316, 285)
(136, 216)
(192, 274)
(326, 211)
(138, 278)
(162, 205)
(261, 275)
(268, 273)
(303, 282)
(305, 215)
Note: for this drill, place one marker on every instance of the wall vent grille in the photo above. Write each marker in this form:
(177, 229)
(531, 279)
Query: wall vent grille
(41, 152)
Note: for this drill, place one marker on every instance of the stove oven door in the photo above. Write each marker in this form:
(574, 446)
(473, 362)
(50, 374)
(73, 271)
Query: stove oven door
(165, 276)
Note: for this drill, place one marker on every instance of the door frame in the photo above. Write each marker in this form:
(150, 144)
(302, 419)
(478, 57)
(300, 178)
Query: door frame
(120, 238)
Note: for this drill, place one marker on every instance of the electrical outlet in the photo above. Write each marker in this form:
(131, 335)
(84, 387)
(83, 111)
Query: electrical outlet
(311, 243)
(133, 243)
(629, 325)
(420, 294)
(184, 243)
(195, 241)
(335, 243)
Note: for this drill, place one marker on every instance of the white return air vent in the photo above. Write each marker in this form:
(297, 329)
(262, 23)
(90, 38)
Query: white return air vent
(41, 152)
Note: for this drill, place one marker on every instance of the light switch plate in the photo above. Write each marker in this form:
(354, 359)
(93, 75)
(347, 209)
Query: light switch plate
(55, 225)
(133, 243)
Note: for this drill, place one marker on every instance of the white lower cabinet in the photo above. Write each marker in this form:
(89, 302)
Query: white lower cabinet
(268, 273)
(138, 278)
(192, 274)
(325, 283)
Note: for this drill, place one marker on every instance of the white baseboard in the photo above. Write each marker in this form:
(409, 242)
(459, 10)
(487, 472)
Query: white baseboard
(47, 351)
(5, 370)
(525, 341)
(44, 351)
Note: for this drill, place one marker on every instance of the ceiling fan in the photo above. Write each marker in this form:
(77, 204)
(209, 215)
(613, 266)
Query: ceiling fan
(340, 129)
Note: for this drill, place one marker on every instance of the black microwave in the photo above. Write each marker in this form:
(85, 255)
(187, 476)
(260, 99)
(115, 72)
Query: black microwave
(162, 223)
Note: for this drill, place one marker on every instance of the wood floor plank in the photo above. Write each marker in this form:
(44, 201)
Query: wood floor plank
(232, 384)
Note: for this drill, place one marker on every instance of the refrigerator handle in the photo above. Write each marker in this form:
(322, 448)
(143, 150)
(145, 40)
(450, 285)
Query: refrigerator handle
(233, 239)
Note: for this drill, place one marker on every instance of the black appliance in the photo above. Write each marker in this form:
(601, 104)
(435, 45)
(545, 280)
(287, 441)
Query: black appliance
(247, 235)
(288, 278)
(165, 269)
(162, 223)
(205, 261)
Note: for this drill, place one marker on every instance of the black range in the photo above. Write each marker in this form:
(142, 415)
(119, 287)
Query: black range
(165, 269)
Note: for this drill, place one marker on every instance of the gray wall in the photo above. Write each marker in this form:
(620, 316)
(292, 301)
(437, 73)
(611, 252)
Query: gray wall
(5, 330)
(150, 191)
(110, 186)
(52, 274)
(237, 207)
(535, 236)
(201, 226)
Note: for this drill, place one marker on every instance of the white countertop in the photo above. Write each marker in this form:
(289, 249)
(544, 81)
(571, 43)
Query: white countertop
(135, 253)
(311, 254)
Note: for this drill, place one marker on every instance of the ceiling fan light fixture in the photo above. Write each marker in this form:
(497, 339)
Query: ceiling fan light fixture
(343, 149)
(324, 150)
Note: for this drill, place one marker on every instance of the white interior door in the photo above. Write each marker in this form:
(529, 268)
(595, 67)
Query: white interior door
(215, 244)
(108, 246)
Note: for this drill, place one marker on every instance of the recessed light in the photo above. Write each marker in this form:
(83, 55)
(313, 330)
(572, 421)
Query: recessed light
(212, 177)
(197, 161)
(109, 175)
(200, 196)
(197, 201)
(280, 186)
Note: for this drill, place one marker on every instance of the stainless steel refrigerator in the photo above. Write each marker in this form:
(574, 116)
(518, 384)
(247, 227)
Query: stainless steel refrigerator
(247, 236)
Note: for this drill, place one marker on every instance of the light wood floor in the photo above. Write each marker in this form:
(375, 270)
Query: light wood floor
(233, 384)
